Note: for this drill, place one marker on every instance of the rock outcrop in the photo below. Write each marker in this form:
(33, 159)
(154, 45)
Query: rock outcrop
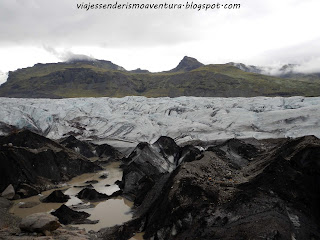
(69, 216)
(91, 194)
(89, 150)
(32, 162)
(149, 162)
(39, 222)
(8, 192)
(187, 64)
(239, 189)
(56, 196)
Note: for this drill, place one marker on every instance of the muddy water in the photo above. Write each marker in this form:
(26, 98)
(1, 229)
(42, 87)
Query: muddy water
(137, 236)
(109, 212)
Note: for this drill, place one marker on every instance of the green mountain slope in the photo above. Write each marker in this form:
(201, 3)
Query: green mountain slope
(191, 78)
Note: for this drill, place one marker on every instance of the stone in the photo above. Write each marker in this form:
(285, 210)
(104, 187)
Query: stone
(56, 196)
(29, 204)
(39, 222)
(69, 216)
(25, 190)
(104, 176)
(92, 181)
(91, 194)
(5, 203)
(82, 206)
(9, 192)
(39, 162)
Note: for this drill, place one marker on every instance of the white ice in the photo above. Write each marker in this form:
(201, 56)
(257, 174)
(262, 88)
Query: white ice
(137, 119)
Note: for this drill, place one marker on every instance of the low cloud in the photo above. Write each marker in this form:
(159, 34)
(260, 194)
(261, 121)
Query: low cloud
(305, 67)
(3, 77)
(67, 55)
(298, 58)
(311, 66)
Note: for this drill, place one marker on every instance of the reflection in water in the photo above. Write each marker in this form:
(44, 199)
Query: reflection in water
(109, 212)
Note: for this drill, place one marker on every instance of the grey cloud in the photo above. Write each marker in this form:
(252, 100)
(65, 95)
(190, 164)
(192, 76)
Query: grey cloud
(60, 23)
(212, 35)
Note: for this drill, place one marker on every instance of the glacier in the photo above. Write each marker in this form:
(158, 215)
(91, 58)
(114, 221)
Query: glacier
(133, 119)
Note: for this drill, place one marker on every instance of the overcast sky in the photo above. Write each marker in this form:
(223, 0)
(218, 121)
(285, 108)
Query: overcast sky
(261, 32)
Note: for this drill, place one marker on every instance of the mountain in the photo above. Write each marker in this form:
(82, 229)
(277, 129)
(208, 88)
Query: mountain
(247, 68)
(288, 71)
(99, 78)
(187, 64)
(139, 70)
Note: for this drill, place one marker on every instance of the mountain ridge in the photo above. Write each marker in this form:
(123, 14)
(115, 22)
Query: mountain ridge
(101, 78)
(287, 71)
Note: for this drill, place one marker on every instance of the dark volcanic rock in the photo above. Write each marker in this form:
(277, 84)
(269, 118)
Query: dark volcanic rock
(83, 148)
(84, 186)
(272, 193)
(107, 151)
(91, 150)
(26, 138)
(92, 181)
(277, 199)
(91, 194)
(37, 161)
(148, 163)
(56, 196)
(236, 152)
(104, 176)
(26, 190)
(120, 232)
(69, 216)
(116, 194)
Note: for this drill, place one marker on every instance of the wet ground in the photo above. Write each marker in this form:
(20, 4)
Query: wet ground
(108, 212)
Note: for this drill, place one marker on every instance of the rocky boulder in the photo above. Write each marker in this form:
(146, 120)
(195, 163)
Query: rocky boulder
(37, 161)
(91, 194)
(107, 151)
(149, 162)
(26, 190)
(56, 196)
(39, 222)
(78, 146)
(89, 150)
(9, 192)
(69, 216)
